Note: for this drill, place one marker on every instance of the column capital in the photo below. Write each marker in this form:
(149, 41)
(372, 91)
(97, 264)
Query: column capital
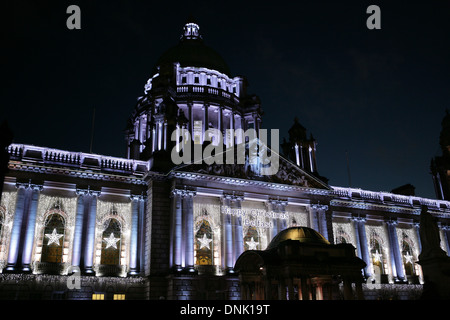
(183, 192)
(234, 196)
(391, 222)
(358, 219)
(29, 185)
(318, 206)
(138, 197)
(87, 192)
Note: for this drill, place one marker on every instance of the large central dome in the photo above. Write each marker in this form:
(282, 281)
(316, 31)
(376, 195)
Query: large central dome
(301, 234)
(192, 52)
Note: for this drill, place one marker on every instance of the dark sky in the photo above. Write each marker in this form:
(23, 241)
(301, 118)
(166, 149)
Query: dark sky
(378, 94)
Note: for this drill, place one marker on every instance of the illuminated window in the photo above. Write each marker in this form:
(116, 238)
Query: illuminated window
(119, 296)
(53, 239)
(98, 296)
(377, 257)
(251, 239)
(204, 244)
(408, 258)
(111, 243)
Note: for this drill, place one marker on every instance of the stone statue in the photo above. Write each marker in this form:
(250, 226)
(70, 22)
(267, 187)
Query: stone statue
(429, 236)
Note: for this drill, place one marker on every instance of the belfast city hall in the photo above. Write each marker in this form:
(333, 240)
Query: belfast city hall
(203, 207)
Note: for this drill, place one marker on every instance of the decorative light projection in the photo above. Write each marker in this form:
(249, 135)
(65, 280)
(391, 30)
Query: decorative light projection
(54, 237)
(111, 241)
(7, 206)
(378, 245)
(113, 218)
(204, 242)
(204, 254)
(344, 233)
(54, 213)
(252, 244)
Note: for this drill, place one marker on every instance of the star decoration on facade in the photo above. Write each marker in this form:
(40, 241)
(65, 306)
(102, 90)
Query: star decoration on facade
(204, 242)
(111, 241)
(252, 244)
(408, 258)
(377, 256)
(53, 237)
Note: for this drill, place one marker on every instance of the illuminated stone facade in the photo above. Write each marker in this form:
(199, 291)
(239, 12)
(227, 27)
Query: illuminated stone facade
(144, 228)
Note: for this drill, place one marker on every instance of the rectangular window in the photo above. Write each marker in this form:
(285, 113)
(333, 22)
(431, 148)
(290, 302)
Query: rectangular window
(183, 80)
(208, 81)
(196, 80)
(98, 296)
(119, 296)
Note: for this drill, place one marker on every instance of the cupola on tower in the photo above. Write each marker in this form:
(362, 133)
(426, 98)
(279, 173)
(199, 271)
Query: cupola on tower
(191, 87)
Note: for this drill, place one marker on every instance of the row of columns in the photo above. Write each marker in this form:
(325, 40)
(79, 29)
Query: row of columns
(233, 238)
(22, 232)
(318, 219)
(307, 289)
(182, 231)
(395, 255)
(24, 226)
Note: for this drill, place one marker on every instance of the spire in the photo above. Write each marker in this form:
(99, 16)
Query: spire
(191, 30)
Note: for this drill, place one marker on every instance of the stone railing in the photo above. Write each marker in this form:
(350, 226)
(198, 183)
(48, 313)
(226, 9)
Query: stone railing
(29, 153)
(381, 196)
(207, 90)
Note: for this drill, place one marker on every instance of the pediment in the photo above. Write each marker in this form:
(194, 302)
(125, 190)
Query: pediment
(288, 173)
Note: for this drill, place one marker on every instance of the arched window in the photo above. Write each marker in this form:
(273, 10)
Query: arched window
(111, 243)
(53, 239)
(407, 255)
(251, 239)
(377, 257)
(204, 244)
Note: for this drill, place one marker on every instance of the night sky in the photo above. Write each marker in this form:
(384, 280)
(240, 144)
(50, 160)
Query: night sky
(378, 94)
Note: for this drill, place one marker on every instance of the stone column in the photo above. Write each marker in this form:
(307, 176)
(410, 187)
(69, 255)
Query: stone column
(78, 232)
(89, 248)
(319, 218)
(188, 219)
(238, 231)
(417, 228)
(313, 220)
(231, 129)
(396, 257)
(134, 236)
(304, 287)
(282, 209)
(205, 120)
(30, 227)
(272, 206)
(361, 238)
(177, 227)
(446, 233)
(227, 235)
(220, 120)
(14, 242)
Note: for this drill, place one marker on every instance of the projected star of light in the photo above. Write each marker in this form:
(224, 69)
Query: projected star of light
(408, 258)
(252, 244)
(53, 237)
(111, 241)
(204, 242)
(377, 256)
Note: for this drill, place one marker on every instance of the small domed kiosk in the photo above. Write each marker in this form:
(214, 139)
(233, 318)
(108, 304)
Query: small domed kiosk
(300, 264)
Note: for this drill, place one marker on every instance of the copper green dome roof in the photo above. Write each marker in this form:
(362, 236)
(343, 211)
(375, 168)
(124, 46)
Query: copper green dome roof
(192, 52)
(301, 234)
